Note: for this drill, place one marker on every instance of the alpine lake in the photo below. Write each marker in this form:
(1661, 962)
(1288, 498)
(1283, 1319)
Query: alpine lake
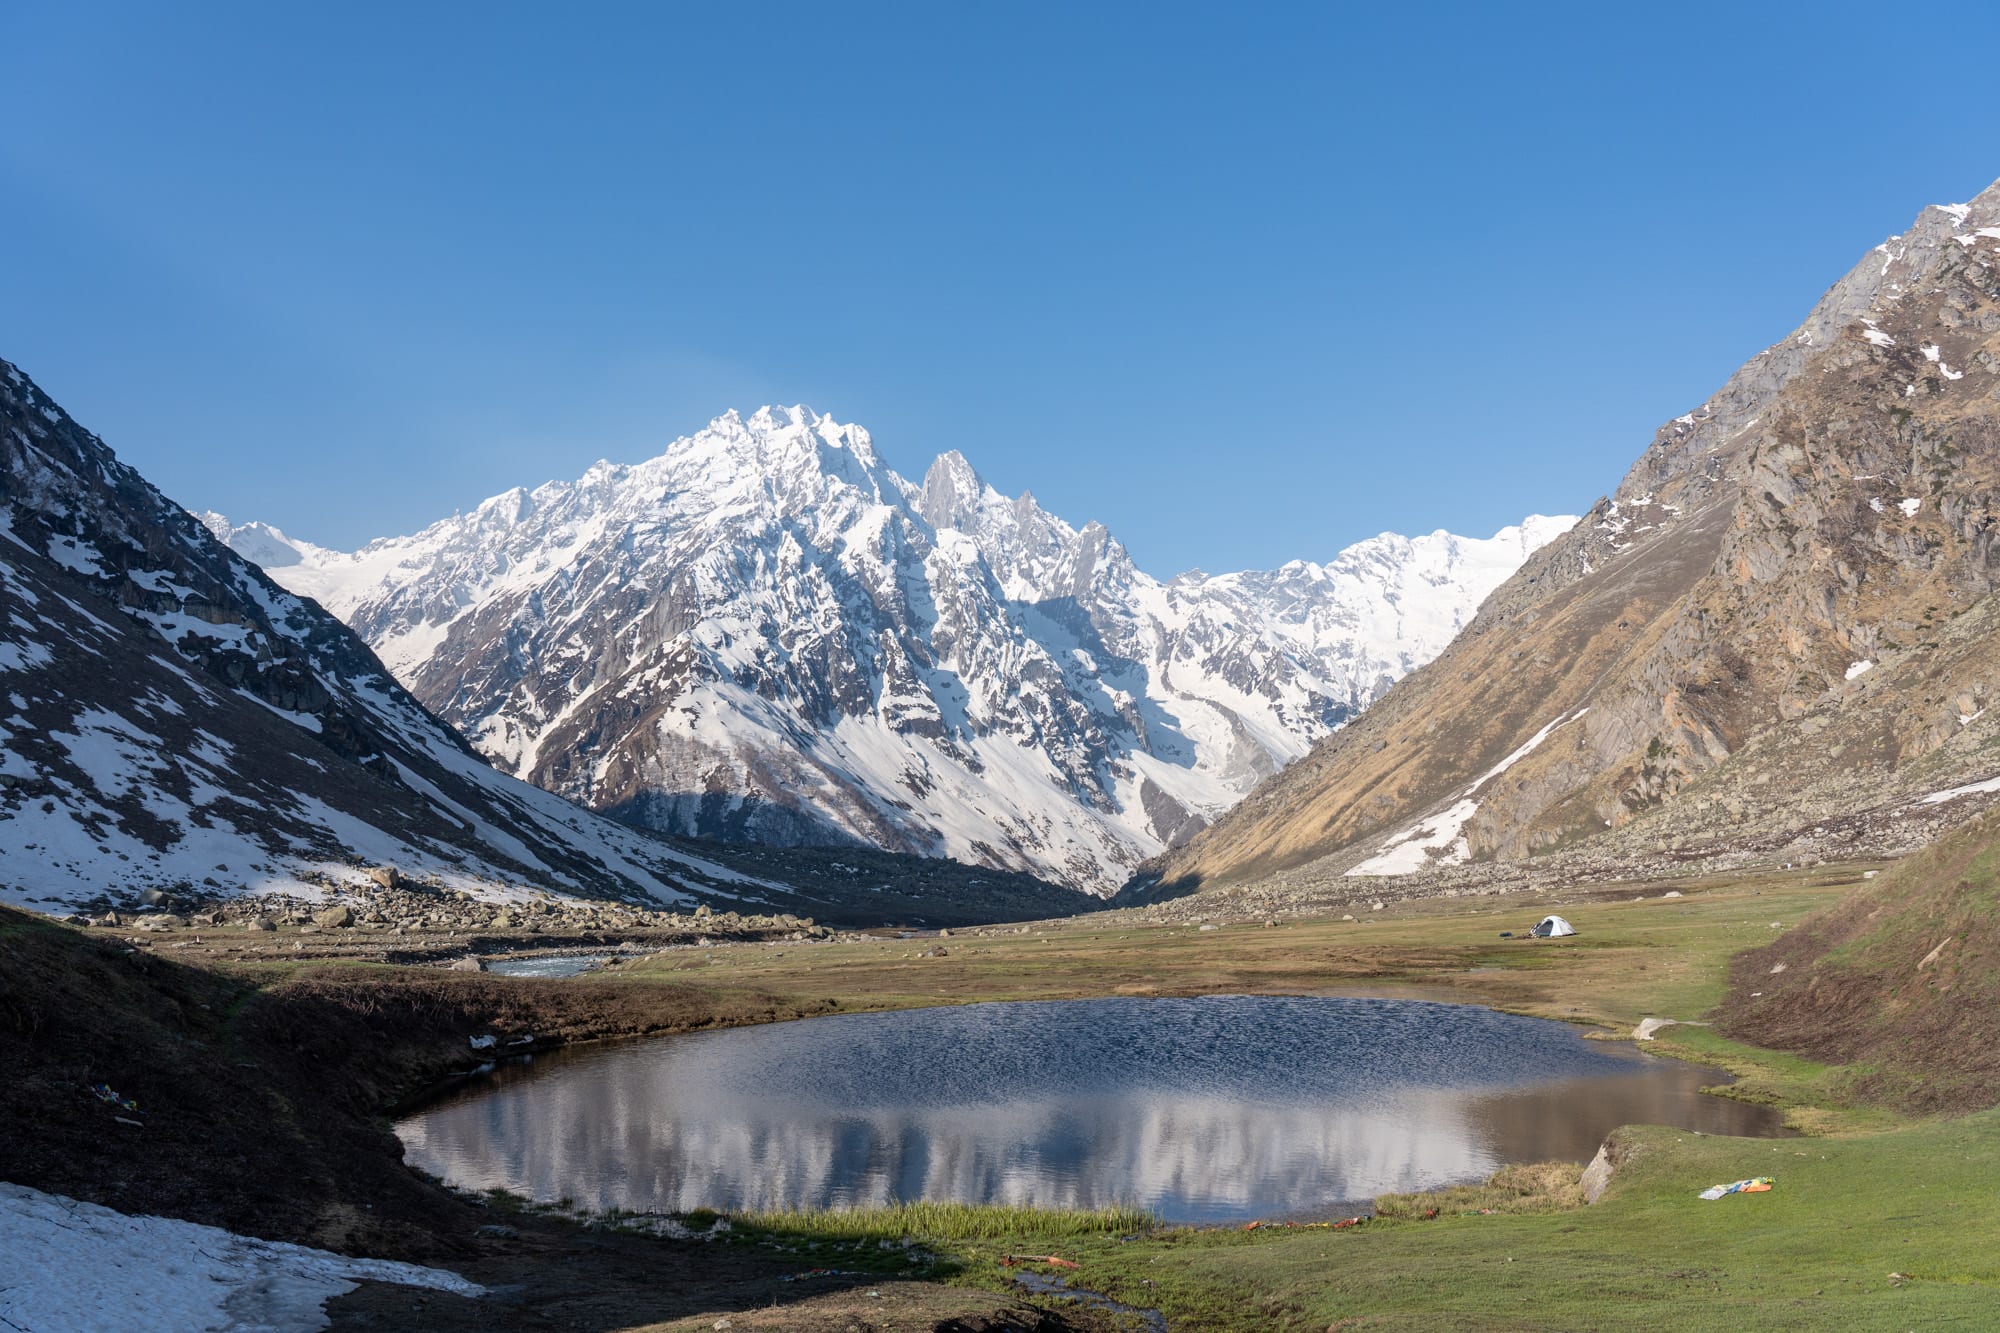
(1215, 1109)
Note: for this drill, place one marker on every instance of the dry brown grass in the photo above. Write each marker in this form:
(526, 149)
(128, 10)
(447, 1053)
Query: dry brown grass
(1532, 1187)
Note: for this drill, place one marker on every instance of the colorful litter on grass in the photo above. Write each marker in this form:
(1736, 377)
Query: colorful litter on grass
(1310, 1226)
(1754, 1185)
(104, 1094)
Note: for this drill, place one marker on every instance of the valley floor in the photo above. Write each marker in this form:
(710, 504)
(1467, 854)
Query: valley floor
(1877, 1220)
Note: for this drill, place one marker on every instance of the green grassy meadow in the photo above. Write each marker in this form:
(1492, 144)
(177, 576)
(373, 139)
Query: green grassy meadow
(1876, 1221)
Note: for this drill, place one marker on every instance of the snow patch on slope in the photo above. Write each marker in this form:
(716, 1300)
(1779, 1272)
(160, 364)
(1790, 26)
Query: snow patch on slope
(71, 1265)
(1439, 839)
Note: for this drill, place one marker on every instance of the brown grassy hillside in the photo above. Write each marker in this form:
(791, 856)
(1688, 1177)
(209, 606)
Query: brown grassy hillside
(1901, 978)
(260, 1091)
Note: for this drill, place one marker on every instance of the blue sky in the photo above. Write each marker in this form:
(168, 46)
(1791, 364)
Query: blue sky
(1243, 286)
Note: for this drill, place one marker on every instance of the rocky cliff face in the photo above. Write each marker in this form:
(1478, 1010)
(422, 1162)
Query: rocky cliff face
(1778, 633)
(172, 719)
(766, 635)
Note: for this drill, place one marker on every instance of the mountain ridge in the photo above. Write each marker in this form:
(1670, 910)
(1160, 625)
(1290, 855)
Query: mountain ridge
(172, 720)
(798, 645)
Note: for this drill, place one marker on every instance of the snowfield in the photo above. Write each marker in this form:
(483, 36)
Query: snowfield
(66, 1265)
(1439, 839)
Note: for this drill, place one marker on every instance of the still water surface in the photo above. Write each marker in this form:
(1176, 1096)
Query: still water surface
(1216, 1109)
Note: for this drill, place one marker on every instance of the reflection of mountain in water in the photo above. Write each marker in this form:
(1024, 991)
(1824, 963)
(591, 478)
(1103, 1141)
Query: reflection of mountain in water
(1207, 1109)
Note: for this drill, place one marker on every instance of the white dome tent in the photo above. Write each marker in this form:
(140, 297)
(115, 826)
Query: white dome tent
(1551, 926)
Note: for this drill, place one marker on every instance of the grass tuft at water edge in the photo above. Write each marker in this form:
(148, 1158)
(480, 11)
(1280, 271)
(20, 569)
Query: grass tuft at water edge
(923, 1221)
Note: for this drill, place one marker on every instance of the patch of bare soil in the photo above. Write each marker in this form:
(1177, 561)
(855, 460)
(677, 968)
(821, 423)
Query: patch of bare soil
(555, 1276)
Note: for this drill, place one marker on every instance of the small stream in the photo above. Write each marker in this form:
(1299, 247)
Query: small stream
(1040, 1284)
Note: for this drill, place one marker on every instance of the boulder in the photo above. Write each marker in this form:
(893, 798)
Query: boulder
(260, 923)
(337, 917)
(1597, 1176)
(467, 964)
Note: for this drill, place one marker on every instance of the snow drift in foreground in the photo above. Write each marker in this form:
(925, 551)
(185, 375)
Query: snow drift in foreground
(70, 1265)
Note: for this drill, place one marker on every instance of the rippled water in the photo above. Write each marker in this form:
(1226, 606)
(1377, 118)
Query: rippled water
(554, 965)
(1215, 1109)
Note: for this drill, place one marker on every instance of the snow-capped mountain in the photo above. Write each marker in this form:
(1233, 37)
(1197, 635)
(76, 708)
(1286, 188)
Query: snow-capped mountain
(765, 634)
(172, 719)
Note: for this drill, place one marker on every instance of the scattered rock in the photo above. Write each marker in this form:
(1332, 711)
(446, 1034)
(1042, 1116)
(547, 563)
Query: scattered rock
(497, 1231)
(337, 917)
(1597, 1176)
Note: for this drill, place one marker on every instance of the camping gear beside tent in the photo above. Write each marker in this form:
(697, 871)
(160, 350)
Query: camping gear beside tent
(1553, 925)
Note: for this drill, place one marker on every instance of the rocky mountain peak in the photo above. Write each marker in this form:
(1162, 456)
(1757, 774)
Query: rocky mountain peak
(177, 722)
(952, 492)
(765, 634)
